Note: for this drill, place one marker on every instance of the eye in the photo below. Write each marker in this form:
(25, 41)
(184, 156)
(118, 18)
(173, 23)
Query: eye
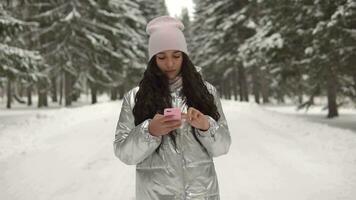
(161, 58)
(176, 56)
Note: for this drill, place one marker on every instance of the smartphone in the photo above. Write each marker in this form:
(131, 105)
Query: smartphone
(174, 113)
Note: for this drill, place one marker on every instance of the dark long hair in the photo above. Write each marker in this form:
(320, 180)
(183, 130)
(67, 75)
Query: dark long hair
(154, 95)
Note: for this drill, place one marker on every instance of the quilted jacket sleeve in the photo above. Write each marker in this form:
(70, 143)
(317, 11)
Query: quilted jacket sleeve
(216, 139)
(132, 143)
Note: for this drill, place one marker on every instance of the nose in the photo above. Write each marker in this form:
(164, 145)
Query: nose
(169, 63)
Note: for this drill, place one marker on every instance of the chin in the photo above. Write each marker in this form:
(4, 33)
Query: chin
(173, 77)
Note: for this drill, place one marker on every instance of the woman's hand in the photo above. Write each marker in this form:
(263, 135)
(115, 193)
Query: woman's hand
(196, 119)
(161, 125)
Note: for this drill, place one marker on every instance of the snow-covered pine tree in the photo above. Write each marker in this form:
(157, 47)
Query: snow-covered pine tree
(122, 52)
(333, 49)
(202, 28)
(219, 29)
(345, 18)
(186, 20)
(18, 65)
(307, 47)
(278, 47)
(85, 40)
(135, 42)
(152, 8)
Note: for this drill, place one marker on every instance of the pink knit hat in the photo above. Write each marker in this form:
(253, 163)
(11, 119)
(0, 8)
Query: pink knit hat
(165, 34)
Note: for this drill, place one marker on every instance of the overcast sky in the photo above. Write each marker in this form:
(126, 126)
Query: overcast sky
(175, 6)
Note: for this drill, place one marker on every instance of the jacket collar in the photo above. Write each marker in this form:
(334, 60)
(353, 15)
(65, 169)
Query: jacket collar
(176, 84)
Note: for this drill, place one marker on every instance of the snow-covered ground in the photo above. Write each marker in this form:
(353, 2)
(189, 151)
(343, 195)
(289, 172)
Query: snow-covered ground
(68, 154)
(345, 120)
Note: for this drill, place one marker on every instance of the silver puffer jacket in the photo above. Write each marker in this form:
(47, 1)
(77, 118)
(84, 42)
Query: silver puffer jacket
(182, 173)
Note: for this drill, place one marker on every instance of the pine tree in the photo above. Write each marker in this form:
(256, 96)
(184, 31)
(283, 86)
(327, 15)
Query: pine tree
(345, 18)
(87, 41)
(153, 8)
(333, 49)
(187, 27)
(278, 47)
(17, 63)
(219, 29)
(305, 46)
(135, 43)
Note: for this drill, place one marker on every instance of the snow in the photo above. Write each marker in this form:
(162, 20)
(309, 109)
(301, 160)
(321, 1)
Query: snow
(67, 153)
(309, 50)
(53, 11)
(316, 113)
(71, 15)
(11, 51)
(352, 32)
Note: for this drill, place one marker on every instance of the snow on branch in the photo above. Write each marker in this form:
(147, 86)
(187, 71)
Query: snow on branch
(52, 11)
(108, 14)
(352, 32)
(71, 15)
(7, 20)
(14, 51)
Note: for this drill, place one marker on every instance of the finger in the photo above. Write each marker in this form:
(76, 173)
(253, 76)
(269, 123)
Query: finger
(168, 130)
(196, 114)
(184, 116)
(173, 128)
(190, 110)
(173, 123)
(165, 118)
(168, 119)
(193, 114)
(158, 116)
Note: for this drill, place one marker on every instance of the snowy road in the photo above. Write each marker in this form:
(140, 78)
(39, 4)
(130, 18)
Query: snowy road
(68, 154)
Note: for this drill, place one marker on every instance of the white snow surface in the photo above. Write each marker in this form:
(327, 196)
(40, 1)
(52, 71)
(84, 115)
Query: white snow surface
(68, 153)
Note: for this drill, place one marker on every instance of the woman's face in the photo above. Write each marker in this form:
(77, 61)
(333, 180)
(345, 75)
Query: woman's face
(170, 62)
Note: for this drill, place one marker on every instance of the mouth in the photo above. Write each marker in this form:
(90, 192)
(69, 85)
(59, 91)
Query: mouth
(170, 71)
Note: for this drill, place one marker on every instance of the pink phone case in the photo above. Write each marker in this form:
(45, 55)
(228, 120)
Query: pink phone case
(175, 113)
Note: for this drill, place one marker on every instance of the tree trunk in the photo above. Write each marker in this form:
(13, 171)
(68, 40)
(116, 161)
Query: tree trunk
(61, 87)
(121, 91)
(235, 83)
(280, 96)
(9, 93)
(242, 83)
(39, 94)
(331, 84)
(42, 94)
(20, 91)
(67, 88)
(75, 95)
(228, 86)
(300, 98)
(264, 87)
(354, 85)
(29, 95)
(54, 89)
(255, 84)
(300, 92)
(113, 94)
(93, 89)
(225, 89)
(312, 100)
(16, 93)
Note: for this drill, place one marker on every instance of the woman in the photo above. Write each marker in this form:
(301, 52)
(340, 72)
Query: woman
(173, 158)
